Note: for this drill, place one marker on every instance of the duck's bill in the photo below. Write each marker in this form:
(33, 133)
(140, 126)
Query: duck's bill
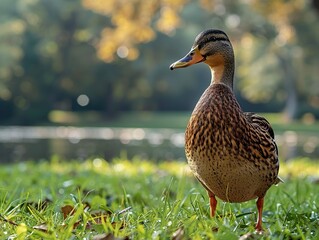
(191, 58)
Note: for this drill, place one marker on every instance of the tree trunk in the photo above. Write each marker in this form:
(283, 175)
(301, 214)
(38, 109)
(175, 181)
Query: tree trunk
(290, 78)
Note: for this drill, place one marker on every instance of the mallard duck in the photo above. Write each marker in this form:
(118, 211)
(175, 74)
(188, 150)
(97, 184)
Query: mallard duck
(232, 153)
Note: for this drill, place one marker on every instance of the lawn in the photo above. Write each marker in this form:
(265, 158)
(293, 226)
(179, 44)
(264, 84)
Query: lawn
(137, 199)
(162, 120)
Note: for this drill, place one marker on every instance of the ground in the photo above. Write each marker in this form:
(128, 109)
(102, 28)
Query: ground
(138, 199)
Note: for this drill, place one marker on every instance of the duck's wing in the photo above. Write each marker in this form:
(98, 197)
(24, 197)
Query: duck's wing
(262, 124)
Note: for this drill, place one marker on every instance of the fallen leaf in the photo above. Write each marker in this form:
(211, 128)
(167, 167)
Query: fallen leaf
(76, 224)
(178, 234)
(42, 227)
(67, 210)
(108, 236)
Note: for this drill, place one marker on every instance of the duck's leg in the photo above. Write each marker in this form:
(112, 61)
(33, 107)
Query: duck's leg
(212, 203)
(260, 204)
(212, 199)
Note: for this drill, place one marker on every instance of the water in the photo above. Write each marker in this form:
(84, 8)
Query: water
(41, 143)
(37, 143)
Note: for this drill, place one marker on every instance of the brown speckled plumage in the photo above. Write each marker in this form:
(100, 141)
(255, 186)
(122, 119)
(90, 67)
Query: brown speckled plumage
(232, 153)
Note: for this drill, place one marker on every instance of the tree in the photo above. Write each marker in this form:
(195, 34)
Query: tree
(295, 23)
(54, 63)
(132, 23)
(274, 32)
(11, 30)
(117, 53)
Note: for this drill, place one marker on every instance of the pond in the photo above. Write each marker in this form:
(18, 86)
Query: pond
(41, 143)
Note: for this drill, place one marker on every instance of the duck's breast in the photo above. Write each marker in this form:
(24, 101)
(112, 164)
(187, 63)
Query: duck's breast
(225, 152)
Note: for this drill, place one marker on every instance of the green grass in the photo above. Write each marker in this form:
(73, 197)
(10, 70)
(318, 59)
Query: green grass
(144, 200)
(162, 120)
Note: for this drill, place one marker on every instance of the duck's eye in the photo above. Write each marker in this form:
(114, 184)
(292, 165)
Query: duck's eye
(191, 53)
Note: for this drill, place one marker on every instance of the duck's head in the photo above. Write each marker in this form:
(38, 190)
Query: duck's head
(213, 48)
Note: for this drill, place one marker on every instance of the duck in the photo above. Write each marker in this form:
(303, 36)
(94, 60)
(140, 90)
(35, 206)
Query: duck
(232, 153)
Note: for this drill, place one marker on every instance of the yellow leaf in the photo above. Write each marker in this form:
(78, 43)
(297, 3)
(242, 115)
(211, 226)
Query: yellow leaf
(21, 231)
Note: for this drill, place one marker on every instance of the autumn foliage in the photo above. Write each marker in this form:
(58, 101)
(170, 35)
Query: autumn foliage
(133, 22)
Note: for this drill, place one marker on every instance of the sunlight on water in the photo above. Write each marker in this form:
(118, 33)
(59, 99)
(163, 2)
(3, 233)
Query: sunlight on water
(23, 143)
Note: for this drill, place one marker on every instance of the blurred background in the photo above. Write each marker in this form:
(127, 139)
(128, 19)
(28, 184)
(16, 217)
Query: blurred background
(85, 79)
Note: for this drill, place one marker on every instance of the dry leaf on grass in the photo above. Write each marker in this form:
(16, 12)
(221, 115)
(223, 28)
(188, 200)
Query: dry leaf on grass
(108, 236)
(178, 234)
(42, 227)
(67, 210)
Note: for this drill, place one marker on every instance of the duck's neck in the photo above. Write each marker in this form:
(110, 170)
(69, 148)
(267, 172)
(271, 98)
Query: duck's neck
(222, 70)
